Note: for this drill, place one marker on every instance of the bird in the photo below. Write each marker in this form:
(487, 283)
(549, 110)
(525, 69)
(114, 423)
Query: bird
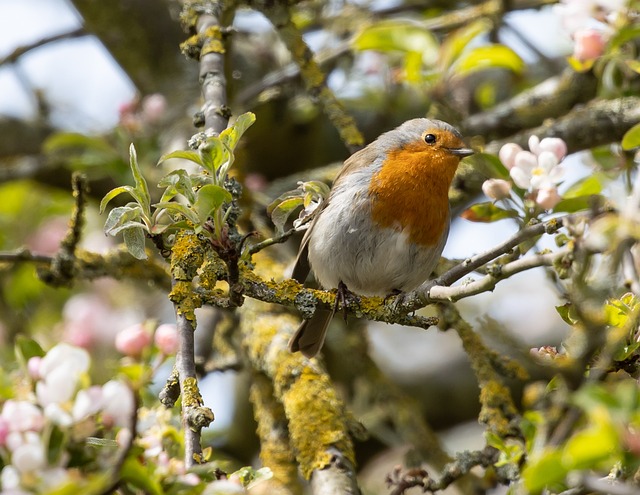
(385, 222)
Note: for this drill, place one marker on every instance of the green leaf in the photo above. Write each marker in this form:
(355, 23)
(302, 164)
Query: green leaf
(281, 213)
(210, 198)
(626, 351)
(141, 188)
(177, 182)
(231, 135)
(590, 185)
(134, 241)
(634, 65)
(113, 193)
(140, 476)
(574, 204)
(128, 225)
(61, 141)
(121, 215)
(458, 40)
(630, 32)
(489, 166)
(567, 313)
(26, 348)
(187, 213)
(489, 57)
(546, 470)
(592, 446)
(56, 443)
(631, 138)
(192, 156)
(487, 212)
(403, 36)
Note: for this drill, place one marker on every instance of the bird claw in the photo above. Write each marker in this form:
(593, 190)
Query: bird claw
(344, 297)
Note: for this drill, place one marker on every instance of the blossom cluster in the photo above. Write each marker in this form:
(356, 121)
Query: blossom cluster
(57, 429)
(537, 171)
(590, 24)
(56, 401)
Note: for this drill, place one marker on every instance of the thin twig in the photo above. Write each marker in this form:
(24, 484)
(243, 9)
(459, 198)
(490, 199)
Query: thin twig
(21, 50)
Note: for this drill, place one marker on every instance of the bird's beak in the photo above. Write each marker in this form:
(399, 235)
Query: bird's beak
(461, 152)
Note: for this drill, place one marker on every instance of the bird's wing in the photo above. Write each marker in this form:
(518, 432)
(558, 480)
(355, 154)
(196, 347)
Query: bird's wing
(361, 158)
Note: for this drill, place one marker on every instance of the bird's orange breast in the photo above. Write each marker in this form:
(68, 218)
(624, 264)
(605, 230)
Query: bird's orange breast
(410, 192)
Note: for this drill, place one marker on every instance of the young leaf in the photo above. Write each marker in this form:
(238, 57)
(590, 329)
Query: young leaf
(121, 215)
(113, 193)
(134, 240)
(26, 348)
(128, 226)
(457, 41)
(177, 182)
(590, 185)
(489, 166)
(489, 57)
(210, 198)
(282, 211)
(213, 154)
(141, 184)
(183, 210)
(192, 156)
(402, 36)
(487, 212)
(231, 135)
(631, 138)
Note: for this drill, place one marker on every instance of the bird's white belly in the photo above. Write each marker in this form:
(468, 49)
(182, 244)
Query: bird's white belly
(346, 246)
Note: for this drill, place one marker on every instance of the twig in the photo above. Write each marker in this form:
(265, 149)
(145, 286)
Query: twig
(116, 476)
(62, 271)
(24, 255)
(205, 19)
(489, 282)
(21, 50)
(270, 242)
(462, 464)
(422, 296)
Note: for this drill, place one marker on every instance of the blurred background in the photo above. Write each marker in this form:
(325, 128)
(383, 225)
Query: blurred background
(80, 80)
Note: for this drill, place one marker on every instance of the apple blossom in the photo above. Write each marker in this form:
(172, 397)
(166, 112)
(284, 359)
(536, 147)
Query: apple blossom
(21, 416)
(118, 406)
(507, 154)
(589, 44)
(496, 189)
(548, 197)
(166, 338)
(133, 340)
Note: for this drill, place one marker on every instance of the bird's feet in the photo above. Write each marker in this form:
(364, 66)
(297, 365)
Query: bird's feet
(344, 297)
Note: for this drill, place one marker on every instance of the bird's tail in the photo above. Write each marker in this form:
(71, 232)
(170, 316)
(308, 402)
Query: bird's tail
(310, 335)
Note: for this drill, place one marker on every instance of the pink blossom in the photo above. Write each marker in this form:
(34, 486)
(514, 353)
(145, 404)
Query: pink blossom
(61, 369)
(166, 338)
(29, 456)
(496, 189)
(87, 403)
(33, 367)
(133, 340)
(153, 108)
(22, 416)
(539, 168)
(507, 154)
(4, 431)
(589, 44)
(548, 198)
(118, 405)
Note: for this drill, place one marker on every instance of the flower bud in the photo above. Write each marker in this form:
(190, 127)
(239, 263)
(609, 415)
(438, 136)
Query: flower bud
(588, 44)
(507, 154)
(133, 340)
(166, 339)
(496, 189)
(548, 197)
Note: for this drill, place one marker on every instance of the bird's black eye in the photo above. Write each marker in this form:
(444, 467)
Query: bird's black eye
(430, 138)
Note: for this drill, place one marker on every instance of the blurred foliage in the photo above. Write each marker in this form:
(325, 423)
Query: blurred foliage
(576, 427)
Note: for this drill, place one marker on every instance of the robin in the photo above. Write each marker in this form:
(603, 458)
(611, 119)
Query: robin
(386, 221)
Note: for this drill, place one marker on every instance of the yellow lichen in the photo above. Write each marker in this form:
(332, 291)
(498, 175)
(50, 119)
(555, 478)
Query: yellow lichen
(186, 300)
(315, 425)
